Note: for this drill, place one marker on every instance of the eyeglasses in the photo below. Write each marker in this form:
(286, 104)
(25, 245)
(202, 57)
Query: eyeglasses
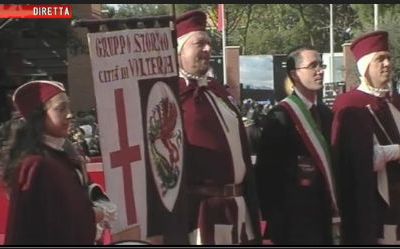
(313, 67)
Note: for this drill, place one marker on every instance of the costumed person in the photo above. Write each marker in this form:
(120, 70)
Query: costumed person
(366, 142)
(294, 176)
(222, 202)
(49, 200)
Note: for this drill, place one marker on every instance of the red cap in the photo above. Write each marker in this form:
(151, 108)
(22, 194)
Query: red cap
(31, 95)
(194, 20)
(370, 42)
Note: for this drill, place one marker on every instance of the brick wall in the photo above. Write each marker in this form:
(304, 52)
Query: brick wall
(81, 89)
(351, 77)
(232, 71)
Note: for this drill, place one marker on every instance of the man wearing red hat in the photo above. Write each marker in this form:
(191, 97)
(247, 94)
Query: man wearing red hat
(222, 201)
(366, 138)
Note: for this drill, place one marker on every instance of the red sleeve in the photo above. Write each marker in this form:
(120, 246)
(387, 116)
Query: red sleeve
(27, 172)
(356, 180)
(48, 206)
(23, 204)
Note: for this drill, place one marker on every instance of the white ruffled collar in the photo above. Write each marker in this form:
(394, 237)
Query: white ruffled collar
(201, 80)
(367, 88)
(56, 143)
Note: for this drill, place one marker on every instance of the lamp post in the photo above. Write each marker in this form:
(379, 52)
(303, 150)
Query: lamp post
(376, 16)
(222, 13)
(332, 77)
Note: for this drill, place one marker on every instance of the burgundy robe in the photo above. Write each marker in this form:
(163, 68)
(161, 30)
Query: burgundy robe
(48, 203)
(363, 210)
(208, 161)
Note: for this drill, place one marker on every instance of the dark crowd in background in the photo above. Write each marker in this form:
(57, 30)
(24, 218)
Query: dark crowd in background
(84, 130)
(253, 116)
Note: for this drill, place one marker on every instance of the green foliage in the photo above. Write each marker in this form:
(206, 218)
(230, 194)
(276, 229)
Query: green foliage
(139, 10)
(110, 10)
(365, 13)
(276, 28)
(389, 19)
(182, 8)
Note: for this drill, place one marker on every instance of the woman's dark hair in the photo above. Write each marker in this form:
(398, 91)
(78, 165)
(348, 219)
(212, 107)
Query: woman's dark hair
(26, 140)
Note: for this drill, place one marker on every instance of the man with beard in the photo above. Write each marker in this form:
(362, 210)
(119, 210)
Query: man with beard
(222, 203)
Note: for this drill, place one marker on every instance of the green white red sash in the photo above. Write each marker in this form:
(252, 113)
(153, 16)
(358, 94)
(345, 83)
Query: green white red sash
(313, 139)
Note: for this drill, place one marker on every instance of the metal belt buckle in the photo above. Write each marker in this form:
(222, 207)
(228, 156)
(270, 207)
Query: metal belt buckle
(229, 190)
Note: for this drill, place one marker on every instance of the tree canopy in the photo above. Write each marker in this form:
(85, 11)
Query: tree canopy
(276, 28)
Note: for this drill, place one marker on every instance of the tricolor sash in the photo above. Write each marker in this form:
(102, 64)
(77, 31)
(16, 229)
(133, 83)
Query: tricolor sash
(314, 141)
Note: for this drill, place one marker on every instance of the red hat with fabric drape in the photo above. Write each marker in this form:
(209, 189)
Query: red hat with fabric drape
(31, 95)
(371, 42)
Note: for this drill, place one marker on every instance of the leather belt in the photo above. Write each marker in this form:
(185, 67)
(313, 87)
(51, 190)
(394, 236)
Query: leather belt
(228, 190)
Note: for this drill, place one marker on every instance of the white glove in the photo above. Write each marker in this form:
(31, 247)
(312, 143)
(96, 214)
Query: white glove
(336, 234)
(384, 154)
(99, 231)
(109, 210)
(102, 204)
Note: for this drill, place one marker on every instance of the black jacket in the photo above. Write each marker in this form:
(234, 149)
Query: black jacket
(294, 201)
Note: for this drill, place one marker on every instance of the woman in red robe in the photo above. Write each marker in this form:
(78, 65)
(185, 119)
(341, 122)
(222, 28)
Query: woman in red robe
(49, 204)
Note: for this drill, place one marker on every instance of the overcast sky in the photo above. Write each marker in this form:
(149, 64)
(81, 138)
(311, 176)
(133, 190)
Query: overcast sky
(256, 71)
(114, 5)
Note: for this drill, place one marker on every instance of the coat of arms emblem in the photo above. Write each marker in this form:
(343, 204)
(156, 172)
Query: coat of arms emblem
(165, 138)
